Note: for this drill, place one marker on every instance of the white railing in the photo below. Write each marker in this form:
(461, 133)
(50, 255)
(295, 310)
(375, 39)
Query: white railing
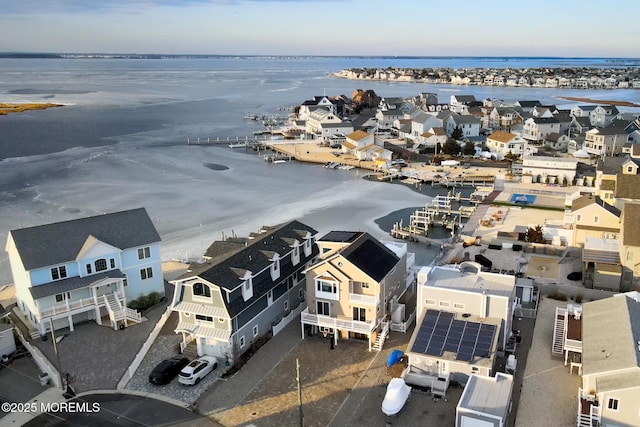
(364, 299)
(332, 322)
(63, 308)
(288, 318)
(143, 351)
(132, 314)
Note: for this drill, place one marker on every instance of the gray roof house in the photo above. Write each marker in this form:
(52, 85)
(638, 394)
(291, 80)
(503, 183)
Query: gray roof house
(85, 269)
(610, 361)
(248, 288)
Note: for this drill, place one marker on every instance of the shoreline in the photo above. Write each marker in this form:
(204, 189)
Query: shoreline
(8, 107)
(603, 102)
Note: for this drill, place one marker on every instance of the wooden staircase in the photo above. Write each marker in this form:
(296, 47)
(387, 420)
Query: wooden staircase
(191, 350)
(382, 336)
(559, 328)
(118, 313)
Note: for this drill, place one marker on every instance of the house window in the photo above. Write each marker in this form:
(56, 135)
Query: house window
(63, 296)
(629, 255)
(58, 273)
(301, 293)
(255, 331)
(146, 273)
(286, 305)
(204, 318)
(458, 306)
(444, 304)
(242, 342)
(112, 263)
(360, 314)
(100, 264)
(88, 268)
(612, 404)
(629, 169)
(322, 307)
(324, 286)
(595, 219)
(578, 217)
(201, 290)
(275, 269)
(144, 253)
(430, 302)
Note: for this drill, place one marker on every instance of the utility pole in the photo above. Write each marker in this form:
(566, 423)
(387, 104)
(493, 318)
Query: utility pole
(55, 349)
(299, 393)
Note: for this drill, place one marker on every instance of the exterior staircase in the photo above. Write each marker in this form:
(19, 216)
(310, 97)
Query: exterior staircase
(191, 350)
(382, 336)
(118, 313)
(559, 328)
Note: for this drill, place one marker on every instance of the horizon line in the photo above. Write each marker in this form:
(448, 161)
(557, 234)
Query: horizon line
(227, 55)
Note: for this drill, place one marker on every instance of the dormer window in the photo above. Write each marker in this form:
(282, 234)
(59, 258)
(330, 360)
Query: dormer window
(247, 289)
(307, 247)
(59, 272)
(201, 290)
(295, 255)
(275, 268)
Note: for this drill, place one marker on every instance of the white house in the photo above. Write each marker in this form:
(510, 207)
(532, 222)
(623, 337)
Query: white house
(536, 129)
(552, 167)
(502, 143)
(84, 269)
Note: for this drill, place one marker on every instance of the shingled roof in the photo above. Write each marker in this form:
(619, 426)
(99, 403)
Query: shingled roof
(60, 242)
(630, 229)
(587, 200)
(627, 186)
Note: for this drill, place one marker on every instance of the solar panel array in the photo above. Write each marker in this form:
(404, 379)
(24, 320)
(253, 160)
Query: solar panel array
(440, 332)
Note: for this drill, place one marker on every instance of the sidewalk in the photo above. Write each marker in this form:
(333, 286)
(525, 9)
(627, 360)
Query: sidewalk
(50, 395)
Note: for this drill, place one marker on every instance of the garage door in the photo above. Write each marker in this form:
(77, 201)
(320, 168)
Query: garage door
(474, 422)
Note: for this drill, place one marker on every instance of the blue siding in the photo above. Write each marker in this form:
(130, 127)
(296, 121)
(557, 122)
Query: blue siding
(43, 275)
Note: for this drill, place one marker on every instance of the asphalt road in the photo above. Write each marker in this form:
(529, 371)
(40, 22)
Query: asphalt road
(120, 410)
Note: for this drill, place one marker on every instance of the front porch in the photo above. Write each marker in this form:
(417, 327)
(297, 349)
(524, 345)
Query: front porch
(588, 410)
(83, 299)
(334, 325)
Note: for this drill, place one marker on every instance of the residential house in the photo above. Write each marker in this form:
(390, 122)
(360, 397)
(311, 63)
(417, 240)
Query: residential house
(333, 131)
(485, 401)
(610, 363)
(536, 129)
(605, 141)
(355, 140)
(583, 111)
(592, 217)
(422, 123)
(550, 169)
(390, 103)
(627, 188)
(459, 103)
(355, 285)
(243, 289)
(630, 238)
(503, 143)
(85, 269)
(557, 141)
(386, 118)
(527, 106)
(464, 317)
(321, 117)
(543, 111)
(433, 137)
(633, 130)
(468, 124)
(318, 102)
(603, 115)
(504, 118)
(579, 127)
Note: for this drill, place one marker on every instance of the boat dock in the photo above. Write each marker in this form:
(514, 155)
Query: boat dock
(439, 212)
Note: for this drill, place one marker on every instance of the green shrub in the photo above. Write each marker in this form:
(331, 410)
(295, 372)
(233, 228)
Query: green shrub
(145, 301)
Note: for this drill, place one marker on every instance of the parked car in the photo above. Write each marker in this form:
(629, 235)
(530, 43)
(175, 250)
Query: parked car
(195, 371)
(166, 370)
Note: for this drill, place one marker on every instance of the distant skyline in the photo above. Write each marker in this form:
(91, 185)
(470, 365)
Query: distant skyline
(567, 28)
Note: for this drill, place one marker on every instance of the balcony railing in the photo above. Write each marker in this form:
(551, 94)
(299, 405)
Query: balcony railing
(332, 322)
(63, 308)
(364, 299)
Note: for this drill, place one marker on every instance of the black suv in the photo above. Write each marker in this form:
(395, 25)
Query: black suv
(166, 370)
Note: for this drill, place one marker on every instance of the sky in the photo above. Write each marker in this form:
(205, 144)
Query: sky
(571, 28)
